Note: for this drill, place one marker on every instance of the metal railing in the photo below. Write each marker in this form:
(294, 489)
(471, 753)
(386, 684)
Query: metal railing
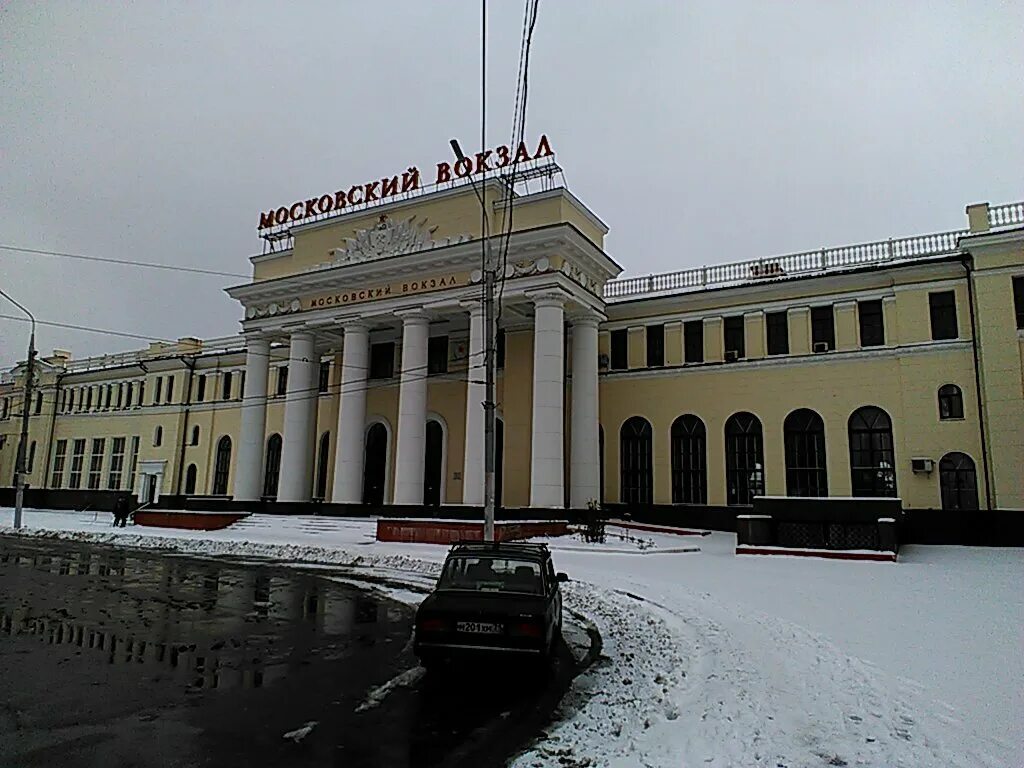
(168, 349)
(805, 263)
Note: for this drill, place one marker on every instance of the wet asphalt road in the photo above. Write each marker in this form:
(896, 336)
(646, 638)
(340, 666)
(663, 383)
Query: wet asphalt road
(113, 657)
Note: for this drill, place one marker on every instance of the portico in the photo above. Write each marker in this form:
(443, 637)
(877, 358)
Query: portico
(394, 314)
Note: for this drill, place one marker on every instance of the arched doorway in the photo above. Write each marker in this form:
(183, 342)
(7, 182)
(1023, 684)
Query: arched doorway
(804, 437)
(190, 480)
(744, 459)
(958, 481)
(222, 467)
(272, 474)
(635, 461)
(872, 457)
(321, 466)
(375, 464)
(433, 464)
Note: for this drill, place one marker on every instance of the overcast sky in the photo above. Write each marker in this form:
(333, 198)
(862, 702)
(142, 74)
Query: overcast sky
(700, 132)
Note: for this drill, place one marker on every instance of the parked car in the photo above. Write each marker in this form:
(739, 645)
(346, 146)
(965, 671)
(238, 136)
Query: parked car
(492, 599)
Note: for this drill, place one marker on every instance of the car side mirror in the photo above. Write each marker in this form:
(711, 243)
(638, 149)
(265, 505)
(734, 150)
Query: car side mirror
(562, 577)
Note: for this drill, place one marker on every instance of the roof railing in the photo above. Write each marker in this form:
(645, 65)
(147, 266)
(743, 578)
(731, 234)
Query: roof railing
(821, 261)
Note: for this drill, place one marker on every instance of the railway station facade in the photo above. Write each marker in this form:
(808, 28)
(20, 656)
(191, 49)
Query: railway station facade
(891, 368)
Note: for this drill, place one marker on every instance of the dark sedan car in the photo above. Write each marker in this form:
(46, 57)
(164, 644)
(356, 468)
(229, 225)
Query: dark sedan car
(492, 598)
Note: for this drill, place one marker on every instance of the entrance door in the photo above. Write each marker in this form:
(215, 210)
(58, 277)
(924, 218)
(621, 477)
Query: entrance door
(150, 489)
(432, 465)
(375, 465)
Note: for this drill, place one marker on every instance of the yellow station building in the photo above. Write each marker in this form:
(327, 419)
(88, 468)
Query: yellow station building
(890, 368)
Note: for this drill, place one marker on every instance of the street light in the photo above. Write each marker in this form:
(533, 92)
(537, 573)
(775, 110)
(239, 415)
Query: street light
(20, 468)
(489, 361)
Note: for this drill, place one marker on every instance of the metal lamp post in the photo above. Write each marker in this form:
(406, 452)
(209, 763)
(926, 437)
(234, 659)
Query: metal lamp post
(20, 468)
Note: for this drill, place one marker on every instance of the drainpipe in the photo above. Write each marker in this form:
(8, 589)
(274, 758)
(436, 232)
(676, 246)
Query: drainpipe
(966, 262)
(190, 363)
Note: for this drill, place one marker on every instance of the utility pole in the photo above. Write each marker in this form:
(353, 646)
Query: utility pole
(20, 468)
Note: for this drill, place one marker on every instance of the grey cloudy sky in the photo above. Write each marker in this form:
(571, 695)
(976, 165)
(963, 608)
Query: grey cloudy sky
(701, 132)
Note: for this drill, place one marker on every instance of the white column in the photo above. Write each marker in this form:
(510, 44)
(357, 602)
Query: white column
(296, 483)
(348, 458)
(412, 411)
(585, 473)
(249, 466)
(547, 471)
(476, 393)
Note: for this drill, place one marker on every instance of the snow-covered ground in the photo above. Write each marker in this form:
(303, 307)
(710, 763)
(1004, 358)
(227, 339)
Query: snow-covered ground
(719, 660)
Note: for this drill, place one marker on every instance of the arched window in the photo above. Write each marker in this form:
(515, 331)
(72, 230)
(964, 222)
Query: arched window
(958, 481)
(321, 467)
(222, 466)
(872, 458)
(31, 457)
(689, 461)
(158, 436)
(195, 435)
(636, 465)
(806, 474)
(273, 469)
(190, 480)
(951, 402)
(744, 459)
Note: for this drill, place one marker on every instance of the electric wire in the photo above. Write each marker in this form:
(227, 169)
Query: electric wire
(123, 262)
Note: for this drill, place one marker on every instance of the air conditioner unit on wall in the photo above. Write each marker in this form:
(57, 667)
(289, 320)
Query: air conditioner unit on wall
(731, 355)
(821, 346)
(921, 465)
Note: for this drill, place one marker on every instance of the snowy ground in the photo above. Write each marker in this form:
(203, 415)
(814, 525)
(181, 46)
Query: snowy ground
(718, 660)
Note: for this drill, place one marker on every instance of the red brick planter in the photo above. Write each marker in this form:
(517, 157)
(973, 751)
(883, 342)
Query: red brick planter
(828, 554)
(426, 531)
(192, 521)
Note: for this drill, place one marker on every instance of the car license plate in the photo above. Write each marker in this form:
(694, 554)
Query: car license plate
(478, 627)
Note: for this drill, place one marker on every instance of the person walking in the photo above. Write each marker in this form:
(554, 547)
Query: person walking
(121, 511)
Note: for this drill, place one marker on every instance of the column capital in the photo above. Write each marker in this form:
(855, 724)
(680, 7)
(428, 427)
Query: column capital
(753, 313)
(473, 306)
(417, 316)
(587, 318)
(548, 298)
(796, 310)
(846, 304)
(712, 320)
(355, 326)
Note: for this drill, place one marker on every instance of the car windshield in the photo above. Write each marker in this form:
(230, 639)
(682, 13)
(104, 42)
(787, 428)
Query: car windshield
(490, 573)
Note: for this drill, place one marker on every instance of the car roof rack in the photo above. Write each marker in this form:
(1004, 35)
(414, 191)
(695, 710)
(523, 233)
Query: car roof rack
(521, 546)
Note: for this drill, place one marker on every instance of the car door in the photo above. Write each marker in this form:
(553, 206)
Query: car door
(556, 597)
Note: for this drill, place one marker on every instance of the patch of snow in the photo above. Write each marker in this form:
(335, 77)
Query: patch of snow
(377, 695)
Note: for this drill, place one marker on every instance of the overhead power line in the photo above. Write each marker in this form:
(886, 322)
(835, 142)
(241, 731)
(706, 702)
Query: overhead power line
(122, 262)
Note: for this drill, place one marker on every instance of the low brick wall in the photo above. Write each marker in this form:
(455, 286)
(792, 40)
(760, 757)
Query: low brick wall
(192, 521)
(427, 531)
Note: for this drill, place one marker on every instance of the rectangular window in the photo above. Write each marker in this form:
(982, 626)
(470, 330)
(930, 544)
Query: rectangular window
(116, 464)
(133, 462)
(77, 459)
(499, 351)
(778, 332)
(382, 360)
(96, 463)
(325, 377)
(88, 398)
(71, 400)
(437, 354)
(64, 401)
(225, 386)
(282, 381)
(110, 396)
(872, 325)
(1018, 301)
(735, 340)
(620, 350)
(942, 306)
(241, 385)
(693, 341)
(655, 346)
(201, 388)
(159, 390)
(170, 389)
(823, 327)
(120, 394)
(142, 393)
(57, 478)
(39, 403)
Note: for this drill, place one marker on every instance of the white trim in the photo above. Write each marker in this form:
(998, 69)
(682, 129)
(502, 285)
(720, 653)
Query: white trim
(433, 416)
(370, 421)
